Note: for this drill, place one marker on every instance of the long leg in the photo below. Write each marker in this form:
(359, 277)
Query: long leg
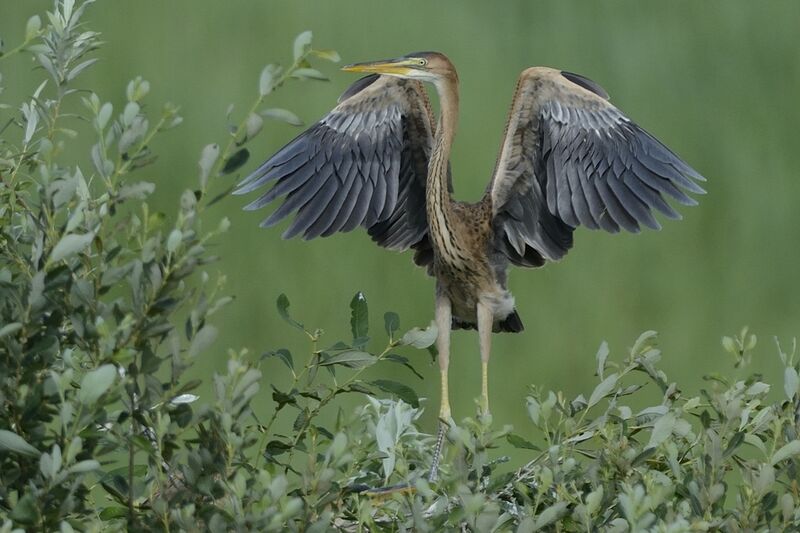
(443, 323)
(485, 321)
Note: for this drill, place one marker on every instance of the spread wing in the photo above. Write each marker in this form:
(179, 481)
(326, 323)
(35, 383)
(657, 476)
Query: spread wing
(363, 164)
(570, 158)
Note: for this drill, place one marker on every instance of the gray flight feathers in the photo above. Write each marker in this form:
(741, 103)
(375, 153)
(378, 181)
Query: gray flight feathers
(570, 159)
(364, 164)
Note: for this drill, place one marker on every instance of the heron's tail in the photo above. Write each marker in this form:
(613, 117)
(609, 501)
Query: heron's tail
(512, 323)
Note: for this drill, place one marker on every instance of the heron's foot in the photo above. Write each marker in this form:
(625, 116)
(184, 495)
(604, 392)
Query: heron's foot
(444, 425)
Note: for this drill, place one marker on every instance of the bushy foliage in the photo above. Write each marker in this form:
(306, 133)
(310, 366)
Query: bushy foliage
(104, 305)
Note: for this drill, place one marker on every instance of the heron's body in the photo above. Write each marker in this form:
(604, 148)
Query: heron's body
(466, 268)
(465, 265)
(377, 160)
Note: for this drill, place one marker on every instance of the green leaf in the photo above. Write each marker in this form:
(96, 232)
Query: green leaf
(791, 381)
(283, 354)
(309, 74)
(550, 515)
(534, 410)
(518, 442)
(302, 44)
(130, 112)
(283, 115)
(420, 338)
(14, 443)
(138, 191)
(339, 445)
(137, 88)
(643, 342)
(32, 27)
(350, 359)
(283, 310)
(75, 72)
(81, 467)
(757, 388)
(96, 382)
(359, 316)
(300, 421)
(50, 464)
(526, 525)
(276, 447)
(643, 456)
(359, 387)
(603, 389)
(328, 55)
(252, 126)
(282, 398)
(104, 115)
(391, 322)
(266, 79)
(10, 329)
(112, 512)
(224, 226)
(174, 240)
(75, 447)
(662, 430)
(399, 359)
(755, 441)
(594, 499)
(404, 392)
(66, 7)
(203, 339)
(25, 511)
(729, 344)
(208, 157)
(236, 161)
(602, 355)
(786, 451)
(733, 443)
(31, 121)
(184, 398)
(70, 245)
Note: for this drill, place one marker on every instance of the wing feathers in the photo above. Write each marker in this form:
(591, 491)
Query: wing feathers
(569, 158)
(339, 208)
(637, 209)
(309, 213)
(357, 166)
(648, 195)
(593, 166)
(295, 200)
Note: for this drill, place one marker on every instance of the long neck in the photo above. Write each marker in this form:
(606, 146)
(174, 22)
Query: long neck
(437, 192)
(447, 90)
(438, 202)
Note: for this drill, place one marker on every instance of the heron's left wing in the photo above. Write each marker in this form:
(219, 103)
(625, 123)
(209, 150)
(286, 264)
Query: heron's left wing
(363, 164)
(571, 158)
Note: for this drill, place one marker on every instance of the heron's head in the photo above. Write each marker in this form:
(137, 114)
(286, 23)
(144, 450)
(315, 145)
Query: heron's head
(423, 66)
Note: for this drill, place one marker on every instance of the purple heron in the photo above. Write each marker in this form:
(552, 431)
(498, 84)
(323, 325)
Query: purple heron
(379, 160)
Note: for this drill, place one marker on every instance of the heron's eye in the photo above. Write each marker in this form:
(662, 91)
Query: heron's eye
(422, 62)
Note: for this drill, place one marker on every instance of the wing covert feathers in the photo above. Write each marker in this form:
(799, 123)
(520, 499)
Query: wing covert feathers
(571, 158)
(363, 164)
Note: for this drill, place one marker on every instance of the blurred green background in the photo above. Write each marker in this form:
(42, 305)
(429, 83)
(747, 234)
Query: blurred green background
(717, 81)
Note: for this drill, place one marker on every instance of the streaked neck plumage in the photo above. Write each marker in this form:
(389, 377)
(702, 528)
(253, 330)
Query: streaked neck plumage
(437, 192)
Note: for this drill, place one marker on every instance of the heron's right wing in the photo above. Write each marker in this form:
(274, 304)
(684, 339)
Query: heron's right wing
(571, 158)
(364, 164)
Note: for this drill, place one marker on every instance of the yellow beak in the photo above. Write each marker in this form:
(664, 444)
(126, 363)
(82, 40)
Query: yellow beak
(391, 66)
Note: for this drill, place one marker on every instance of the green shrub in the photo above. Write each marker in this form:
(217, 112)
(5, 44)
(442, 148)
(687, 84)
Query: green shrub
(105, 304)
